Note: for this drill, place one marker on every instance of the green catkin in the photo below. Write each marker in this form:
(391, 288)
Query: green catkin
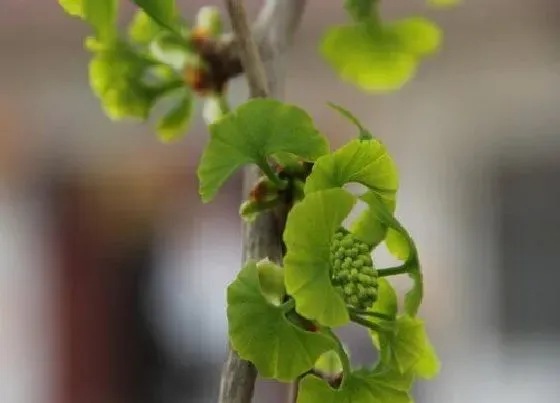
(353, 275)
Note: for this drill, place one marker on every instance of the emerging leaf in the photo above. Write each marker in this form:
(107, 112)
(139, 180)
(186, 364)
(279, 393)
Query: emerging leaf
(116, 76)
(361, 161)
(251, 134)
(261, 333)
(174, 124)
(407, 349)
(143, 29)
(329, 363)
(164, 12)
(363, 386)
(100, 14)
(308, 236)
(378, 57)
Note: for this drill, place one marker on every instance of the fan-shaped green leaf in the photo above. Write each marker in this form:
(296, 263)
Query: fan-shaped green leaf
(329, 363)
(377, 386)
(116, 77)
(380, 58)
(362, 161)
(309, 231)
(251, 134)
(260, 332)
(407, 349)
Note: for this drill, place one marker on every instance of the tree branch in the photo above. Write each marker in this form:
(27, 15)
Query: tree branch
(245, 51)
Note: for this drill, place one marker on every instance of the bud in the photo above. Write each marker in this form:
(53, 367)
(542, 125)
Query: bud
(209, 20)
(271, 278)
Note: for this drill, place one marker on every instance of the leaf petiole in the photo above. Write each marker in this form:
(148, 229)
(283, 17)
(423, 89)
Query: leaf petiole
(267, 170)
(345, 361)
(366, 323)
(373, 314)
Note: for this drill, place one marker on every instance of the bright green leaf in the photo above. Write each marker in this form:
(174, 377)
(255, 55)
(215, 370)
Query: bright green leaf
(271, 278)
(377, 386)
(364, 133)
(102, 15)
(143, 29)
(329, 363)
(408, 349)
(417, 35)
(361, 161)
(397, 244)
(251, 134)
(163, 12)
(260, 332)
(385, 216)
(369, 227)
(116, 74)
(386, 299)
(308, 236)
(380, 58)
(73, 7)
(174, 124)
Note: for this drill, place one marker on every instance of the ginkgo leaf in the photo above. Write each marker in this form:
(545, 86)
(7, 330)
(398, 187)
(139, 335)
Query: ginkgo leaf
(116, 77)
(385, 216)
(143, 29)
(308, 236)
(251, 134)
(260, 332)
(361, 161)
(164, 12)
(407, 349)
(379, 57)
(363, 386)
(174, 124)
(100, 14)
(386, 303)
(329, 363)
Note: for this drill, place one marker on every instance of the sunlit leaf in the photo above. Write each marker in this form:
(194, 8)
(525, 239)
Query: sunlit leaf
(251, 134)
(309, 232)
(408, 349)
(376, 386)
(380, 57)
(143, 29)
(261, 333)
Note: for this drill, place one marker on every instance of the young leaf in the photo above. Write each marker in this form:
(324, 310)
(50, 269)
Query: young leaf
(261, 333)
(363, 386)
(385, 216)
(309, 233)
(329, 363)
(364, 133)
(397, 244)
(73, 7)
(164, 12)
(271, 279)
(407, 349)
(386, 303)
(116, 73)
(369, 227)
(362, 161)
(174, 124)
(251, 134)
(380, 58)
(102, 15)
(143, 29)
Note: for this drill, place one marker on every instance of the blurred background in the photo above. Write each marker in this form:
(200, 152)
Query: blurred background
(112, 272)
